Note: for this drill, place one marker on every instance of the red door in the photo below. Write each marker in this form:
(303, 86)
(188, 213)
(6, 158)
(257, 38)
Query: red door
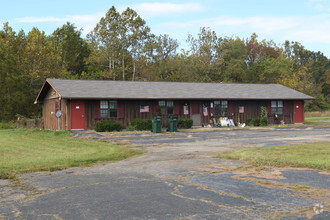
(195, 114)
(77, 114)
(298, 109)
(195, 107)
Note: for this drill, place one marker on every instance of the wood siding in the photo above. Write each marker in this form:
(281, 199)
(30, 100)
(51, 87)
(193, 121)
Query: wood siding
(49, 118)
(129, 110)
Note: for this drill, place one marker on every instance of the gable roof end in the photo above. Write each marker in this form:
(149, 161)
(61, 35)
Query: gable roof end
(44, 91)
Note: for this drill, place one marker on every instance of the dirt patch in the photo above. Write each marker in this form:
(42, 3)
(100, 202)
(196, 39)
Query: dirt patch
(14, 191)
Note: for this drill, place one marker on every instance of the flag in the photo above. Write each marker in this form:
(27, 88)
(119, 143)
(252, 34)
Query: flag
(241, 109)
(186, 110)
(205, 111)
(144, 108)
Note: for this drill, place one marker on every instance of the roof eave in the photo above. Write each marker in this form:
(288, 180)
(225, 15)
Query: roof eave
(183, 98)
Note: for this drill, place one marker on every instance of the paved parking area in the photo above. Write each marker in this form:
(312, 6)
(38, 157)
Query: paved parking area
(177, 178)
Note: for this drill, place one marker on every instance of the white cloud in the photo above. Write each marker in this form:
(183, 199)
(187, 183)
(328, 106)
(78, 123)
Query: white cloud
(163, 9)
(320, 5)
(87, 22)
(312, 29)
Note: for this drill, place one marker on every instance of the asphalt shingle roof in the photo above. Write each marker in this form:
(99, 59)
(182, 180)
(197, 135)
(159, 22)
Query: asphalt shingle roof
(105, 89)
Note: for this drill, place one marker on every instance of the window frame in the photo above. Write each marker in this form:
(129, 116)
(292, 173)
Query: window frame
(277, 107)
(166, 107)
(221, 108)
(108, 109)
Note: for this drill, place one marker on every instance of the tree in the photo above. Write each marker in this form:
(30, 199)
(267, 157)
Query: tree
(158, 53)
(234, 55)
(117, 38)
(70, 49)
(12, 82)
(203, 52)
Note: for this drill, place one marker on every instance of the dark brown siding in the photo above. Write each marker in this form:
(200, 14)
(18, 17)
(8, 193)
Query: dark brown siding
(121, 109)
(89, 114)
(230, 109)
(181, 112)
(176, 107)
(129, 110)
(97, 109)
(251, 110)
(287, 116)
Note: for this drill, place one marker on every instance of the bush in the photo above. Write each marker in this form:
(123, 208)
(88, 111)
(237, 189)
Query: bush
(141, 124)
(107, 126)
(9, 125)
(318, 104)
(257, 122)
(185, 123)
(263, 121)
(253, 122)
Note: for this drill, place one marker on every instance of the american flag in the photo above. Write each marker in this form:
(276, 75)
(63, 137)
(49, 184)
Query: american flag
(144, 108)
(186, 110)
(205, 111)
(241, 109)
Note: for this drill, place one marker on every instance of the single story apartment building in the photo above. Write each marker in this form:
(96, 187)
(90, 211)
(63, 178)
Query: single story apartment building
(79, 104)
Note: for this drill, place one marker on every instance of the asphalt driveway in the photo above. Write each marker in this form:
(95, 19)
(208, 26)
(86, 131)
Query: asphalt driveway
(177, 178)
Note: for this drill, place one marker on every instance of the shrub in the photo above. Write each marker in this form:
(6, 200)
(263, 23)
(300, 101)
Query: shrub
(107, 126)
(141, 124)
(9, 125)
(318, 104)
(263, 121)
(253, 122)
(185, 123)
(257, 122)
(249, 122)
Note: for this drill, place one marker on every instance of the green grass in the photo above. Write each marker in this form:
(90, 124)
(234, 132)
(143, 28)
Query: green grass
(314, 120)
(317, 118)
(315, 156)
(317, 114)
(23, 151)
(315, 123)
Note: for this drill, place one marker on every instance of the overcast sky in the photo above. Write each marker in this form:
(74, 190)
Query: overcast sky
(305, 21)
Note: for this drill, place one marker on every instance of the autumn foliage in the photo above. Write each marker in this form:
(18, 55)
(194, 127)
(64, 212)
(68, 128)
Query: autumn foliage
(122, 47)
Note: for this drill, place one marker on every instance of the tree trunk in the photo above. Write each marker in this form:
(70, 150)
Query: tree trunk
(133, 70)
(123, 67)
(113, 65)
(109, 63)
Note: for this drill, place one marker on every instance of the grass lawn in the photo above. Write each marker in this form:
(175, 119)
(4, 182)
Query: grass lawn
(317, 118)
(23, 151)
(315, 156)
(313, 118)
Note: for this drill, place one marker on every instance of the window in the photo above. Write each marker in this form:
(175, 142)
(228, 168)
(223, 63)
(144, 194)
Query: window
(166, 107)
(170, 107)
(277, 107)
(221, 108)
(108, 109)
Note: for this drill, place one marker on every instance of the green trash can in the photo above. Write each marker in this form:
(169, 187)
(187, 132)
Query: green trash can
(157, 124)
(172, 123)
